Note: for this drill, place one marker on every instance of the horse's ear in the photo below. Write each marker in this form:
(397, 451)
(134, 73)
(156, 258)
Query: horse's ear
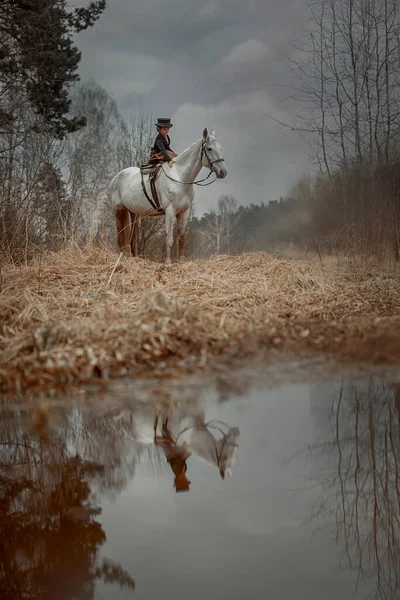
(212, 134)
(205, 133)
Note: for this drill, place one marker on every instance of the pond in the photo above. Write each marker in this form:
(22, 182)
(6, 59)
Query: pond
(198, 489)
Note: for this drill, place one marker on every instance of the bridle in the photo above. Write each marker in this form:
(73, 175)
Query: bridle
(210, 164)
(204, 152)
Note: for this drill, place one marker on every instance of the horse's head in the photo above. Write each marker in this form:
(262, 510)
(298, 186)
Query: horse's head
(212, 155)
(227, 449)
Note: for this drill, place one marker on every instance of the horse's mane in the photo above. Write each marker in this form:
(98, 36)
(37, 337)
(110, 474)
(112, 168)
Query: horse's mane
(186, 151)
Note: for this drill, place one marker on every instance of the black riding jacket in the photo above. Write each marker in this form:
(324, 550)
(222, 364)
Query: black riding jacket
(161, 145)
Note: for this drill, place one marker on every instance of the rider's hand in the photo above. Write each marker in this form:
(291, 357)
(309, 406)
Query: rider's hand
(171, 164)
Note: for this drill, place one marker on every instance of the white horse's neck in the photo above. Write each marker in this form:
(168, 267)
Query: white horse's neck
(188, 163)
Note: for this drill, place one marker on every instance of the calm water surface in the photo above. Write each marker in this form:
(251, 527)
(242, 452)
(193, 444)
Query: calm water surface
(200, 491)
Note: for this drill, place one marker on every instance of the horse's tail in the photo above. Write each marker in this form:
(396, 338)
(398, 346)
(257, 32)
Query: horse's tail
(122, 217)
(136, 224)
(112, 189)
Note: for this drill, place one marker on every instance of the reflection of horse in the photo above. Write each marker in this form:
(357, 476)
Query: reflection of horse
(219, 453)
(184, 432)
(192, 435)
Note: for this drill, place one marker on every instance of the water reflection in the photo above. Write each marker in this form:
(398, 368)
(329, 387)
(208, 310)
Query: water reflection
(49, 534)
(172, 434)
(197, 437)
(58, 460)
(60, 463)
(362, 492)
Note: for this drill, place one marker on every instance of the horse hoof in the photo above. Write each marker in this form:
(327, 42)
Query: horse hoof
(166, 266)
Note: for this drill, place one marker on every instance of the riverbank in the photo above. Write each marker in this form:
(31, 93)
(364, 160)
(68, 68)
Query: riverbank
(86, 314)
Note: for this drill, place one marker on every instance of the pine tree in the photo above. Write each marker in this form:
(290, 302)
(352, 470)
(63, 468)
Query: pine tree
(39, 61)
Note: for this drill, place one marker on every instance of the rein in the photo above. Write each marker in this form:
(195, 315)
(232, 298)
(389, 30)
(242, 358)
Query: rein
(199, 182)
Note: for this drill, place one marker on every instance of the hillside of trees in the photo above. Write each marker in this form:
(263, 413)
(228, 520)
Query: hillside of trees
(61, 141)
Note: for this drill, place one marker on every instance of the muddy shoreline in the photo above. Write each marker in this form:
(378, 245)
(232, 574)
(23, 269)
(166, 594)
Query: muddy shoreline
(64, 321)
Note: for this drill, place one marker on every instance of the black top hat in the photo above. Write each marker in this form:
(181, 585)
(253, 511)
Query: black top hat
(164, 123)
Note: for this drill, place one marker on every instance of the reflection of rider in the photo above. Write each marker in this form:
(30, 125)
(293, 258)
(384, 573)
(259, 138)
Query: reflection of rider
(176, 455)
(161, 149)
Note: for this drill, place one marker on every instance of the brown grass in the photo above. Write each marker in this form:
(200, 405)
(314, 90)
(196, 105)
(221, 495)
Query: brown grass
(79, 314)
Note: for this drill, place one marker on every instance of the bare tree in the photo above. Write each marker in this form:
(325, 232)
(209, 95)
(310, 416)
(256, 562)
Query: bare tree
(362, 492)
(90, 156)
(349, 94)
(219, 227)
(21, 171)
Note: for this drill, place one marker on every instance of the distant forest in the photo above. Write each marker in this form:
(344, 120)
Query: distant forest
(313, 219)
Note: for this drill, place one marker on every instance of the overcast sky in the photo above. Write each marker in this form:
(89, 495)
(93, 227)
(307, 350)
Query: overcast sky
(216, 63)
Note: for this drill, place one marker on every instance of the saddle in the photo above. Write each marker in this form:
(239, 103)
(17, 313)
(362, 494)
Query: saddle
(151, 170)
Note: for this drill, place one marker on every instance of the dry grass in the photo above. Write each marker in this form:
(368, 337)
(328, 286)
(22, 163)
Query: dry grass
(79, 315)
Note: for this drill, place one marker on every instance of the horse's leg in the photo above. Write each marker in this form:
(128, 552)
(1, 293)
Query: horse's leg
(123, 226)
(169, 228)
(181, 222)
(135, 224)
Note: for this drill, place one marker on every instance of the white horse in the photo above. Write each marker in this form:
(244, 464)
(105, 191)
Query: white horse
(181, 432)
(175, 189)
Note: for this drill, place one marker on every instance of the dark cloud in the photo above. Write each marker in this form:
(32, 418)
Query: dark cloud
(217, 63)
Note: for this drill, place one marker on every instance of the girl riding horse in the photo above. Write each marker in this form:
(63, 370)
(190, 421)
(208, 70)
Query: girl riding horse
(161, 150)
(176, 455)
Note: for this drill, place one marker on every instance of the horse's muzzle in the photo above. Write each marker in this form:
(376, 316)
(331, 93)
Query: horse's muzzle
(219, 170)
(221, 173)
